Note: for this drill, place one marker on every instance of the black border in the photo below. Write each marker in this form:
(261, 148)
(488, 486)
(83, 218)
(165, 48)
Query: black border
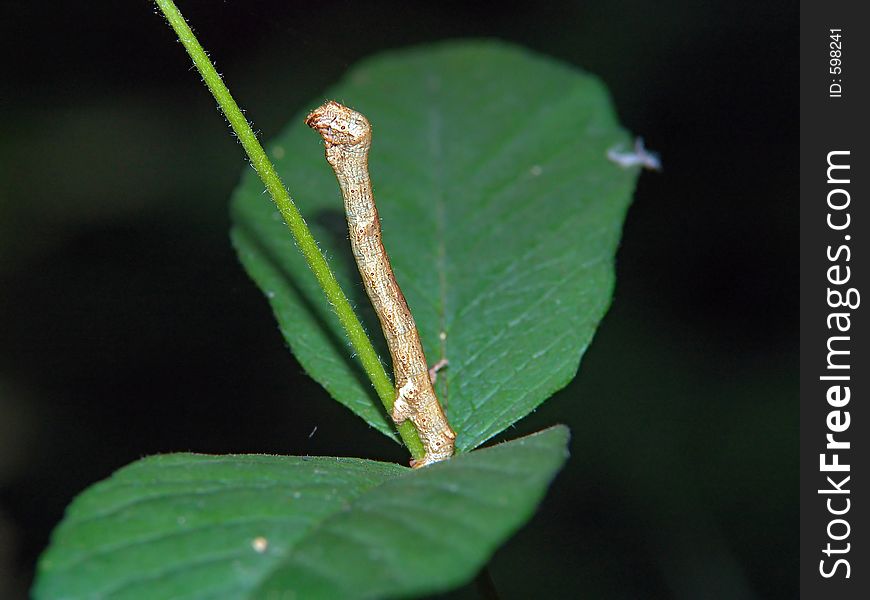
(831, 124)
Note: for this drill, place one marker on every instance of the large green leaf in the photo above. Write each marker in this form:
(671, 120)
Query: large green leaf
(197, 526)
(501, 214)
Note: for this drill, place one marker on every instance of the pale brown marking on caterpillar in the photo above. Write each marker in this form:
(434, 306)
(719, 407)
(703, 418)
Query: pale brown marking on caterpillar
(348, 137)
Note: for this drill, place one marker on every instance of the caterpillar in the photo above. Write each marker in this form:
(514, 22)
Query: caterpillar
(347, 135)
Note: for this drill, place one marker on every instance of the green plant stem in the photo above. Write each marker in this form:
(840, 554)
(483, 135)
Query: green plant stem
(304, 239)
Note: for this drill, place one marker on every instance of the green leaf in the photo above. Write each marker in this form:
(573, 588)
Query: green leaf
(198, 526)
(501, 214)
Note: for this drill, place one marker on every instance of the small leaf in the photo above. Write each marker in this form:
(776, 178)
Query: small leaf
(198, 526)
(501, 214)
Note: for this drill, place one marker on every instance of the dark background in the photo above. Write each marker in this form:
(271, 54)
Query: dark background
(127, 326)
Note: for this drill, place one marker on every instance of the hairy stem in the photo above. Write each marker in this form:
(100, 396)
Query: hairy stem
(360, 342)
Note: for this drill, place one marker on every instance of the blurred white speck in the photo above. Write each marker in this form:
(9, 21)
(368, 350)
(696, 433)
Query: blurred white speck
(297, 495)
(442, 336)
(181, 520)
(270, 294)
(640, 156)
(278, 152)
(260, 544)
(536, 170)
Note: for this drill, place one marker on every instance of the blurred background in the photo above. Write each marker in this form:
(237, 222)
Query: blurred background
(127, 326)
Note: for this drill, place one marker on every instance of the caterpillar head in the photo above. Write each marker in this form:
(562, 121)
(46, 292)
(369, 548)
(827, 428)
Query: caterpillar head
(339, 125)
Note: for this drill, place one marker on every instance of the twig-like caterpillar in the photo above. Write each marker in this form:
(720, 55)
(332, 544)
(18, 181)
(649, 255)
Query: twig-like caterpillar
(348, 137)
